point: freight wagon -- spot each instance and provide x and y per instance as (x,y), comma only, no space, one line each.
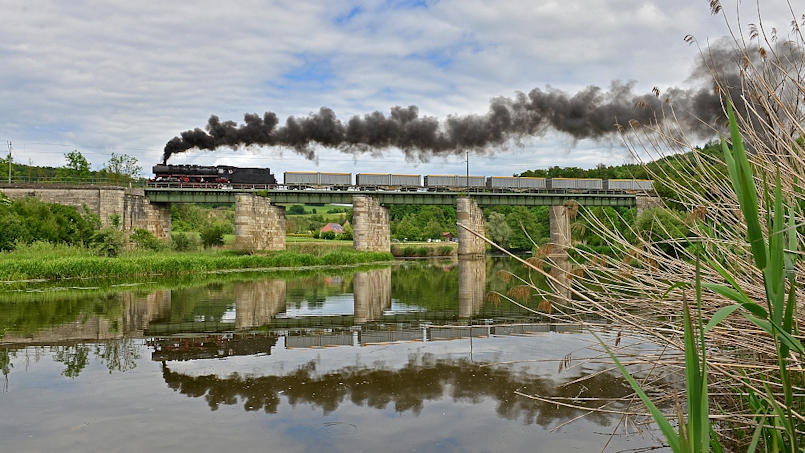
(387,181)
(575,184)
(310,179)
(454,182)
(516,183)
(629,185)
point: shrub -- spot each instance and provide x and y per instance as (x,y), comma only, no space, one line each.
(296,209)
(422,251)
(316,235)
(183,242)
(143,239)
(327,235)
(445,250)
(108,241)
(212,235)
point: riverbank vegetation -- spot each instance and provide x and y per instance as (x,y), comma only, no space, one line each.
(715,285)
(47,261)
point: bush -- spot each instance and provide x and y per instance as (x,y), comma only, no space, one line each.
(143,239)
(29,219)
(212,235)
(316,235)
(108,241)
(296,209)
(327,235)
(422,251)
(183,242)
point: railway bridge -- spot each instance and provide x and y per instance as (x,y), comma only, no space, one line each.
(260,212)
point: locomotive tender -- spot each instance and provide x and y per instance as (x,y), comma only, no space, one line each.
(226,175)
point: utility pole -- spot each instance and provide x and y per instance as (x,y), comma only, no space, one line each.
(9,161)
(468,172)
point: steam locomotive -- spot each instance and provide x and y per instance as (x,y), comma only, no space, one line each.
(229,176)
(219,174)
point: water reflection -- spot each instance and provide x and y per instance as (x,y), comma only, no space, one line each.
(257,302)
(471,286)
(372,291)
(415,344)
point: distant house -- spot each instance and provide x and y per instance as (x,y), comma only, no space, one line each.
(334,227)
(448,236)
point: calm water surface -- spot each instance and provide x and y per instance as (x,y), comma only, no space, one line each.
(410,357)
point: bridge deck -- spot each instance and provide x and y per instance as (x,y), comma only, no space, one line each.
(184,195)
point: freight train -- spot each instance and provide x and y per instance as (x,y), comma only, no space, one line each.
(229,176)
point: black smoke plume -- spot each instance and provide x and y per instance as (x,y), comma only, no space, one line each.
(590,113)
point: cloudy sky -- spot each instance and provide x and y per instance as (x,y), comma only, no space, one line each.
(126,77)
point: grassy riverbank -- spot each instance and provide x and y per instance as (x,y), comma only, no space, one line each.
(56,262)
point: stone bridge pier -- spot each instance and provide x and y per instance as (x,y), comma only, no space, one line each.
(259,225)
(140,213)
(469,214)
(560,242)
(370,224)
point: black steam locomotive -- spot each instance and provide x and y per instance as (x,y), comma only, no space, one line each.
(219,174)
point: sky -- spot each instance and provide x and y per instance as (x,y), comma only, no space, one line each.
(126,77)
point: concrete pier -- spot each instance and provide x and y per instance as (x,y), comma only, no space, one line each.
(259,225)
(372,290)
(370,224)
(471,286)
(645,202)
(470,215)
(560,242)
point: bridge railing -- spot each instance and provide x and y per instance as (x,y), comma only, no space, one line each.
(205,185)
(52,180)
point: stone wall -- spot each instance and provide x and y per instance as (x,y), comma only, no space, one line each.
(372,291)
(130,205)
(101,201)
(139,212)
(644,203)
(370,225)
(470,215)
(258,224)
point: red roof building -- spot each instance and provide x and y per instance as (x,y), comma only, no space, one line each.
(334,227)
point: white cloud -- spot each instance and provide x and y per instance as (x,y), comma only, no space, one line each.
(126,77)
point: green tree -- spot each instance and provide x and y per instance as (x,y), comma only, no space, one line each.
(76,169)
(122,167)
(498,230)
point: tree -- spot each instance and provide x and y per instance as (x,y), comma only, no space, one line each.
(122,167)
(498,230)
(77,167)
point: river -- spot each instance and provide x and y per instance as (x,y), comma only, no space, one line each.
(415,356)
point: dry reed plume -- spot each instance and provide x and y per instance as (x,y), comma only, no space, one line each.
(632,289)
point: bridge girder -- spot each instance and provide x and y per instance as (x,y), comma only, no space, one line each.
(170,195)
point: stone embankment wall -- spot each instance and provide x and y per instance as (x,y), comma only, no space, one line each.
(130,205)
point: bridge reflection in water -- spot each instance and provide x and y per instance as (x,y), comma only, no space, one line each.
(445,293)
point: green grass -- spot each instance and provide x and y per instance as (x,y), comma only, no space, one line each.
(57,262)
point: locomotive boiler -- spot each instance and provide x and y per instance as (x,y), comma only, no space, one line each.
(218,174)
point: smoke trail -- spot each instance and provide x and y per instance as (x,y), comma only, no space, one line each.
(590,113)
